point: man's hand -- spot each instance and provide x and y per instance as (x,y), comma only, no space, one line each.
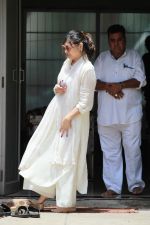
(115,89)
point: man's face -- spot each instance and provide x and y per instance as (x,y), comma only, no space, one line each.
(117,44)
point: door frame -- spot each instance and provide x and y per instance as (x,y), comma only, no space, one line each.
(2,91)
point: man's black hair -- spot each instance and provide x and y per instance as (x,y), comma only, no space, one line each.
(147,43)
(116,28)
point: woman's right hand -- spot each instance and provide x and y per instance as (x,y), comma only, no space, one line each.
(58,89)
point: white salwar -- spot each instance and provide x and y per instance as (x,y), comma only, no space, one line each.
(50,159)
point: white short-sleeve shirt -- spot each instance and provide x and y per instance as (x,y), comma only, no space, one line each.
(129,108)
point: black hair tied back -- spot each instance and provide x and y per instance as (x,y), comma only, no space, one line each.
(88,44)
(76,37)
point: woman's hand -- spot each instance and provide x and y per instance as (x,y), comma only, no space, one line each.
(65,126)
(66,122)
(60,89)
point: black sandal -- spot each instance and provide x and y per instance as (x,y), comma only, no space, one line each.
(33,212)
(25,212)
(21,211)
(4,210)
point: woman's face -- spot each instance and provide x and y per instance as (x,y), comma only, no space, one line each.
(73,51)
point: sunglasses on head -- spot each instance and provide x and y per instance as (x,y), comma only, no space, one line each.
(66,47)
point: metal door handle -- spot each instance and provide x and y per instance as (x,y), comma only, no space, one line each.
(14,75)
(21,75)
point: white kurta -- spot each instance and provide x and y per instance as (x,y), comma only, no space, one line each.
(129,108)
(47,151)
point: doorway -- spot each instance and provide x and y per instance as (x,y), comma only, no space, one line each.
(42,60)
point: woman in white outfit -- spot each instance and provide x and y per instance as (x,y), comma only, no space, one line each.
(54,163)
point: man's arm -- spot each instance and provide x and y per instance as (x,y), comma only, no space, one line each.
(132,83)
(101,85)
(115,89)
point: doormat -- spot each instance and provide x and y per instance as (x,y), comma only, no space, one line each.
(97,210)
(80,209)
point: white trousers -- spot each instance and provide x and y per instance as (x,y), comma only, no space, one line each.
(64,189)
(111,139)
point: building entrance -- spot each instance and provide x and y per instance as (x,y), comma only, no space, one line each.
(42,59)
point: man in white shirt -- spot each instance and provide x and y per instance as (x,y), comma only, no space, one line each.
(120,76)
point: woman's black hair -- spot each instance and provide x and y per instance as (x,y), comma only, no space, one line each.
(76,37)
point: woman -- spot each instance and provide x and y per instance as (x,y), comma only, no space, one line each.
(54,163)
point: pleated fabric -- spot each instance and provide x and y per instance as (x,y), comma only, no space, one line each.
(48,156)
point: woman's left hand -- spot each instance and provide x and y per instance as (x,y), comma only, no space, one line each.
(65,126)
